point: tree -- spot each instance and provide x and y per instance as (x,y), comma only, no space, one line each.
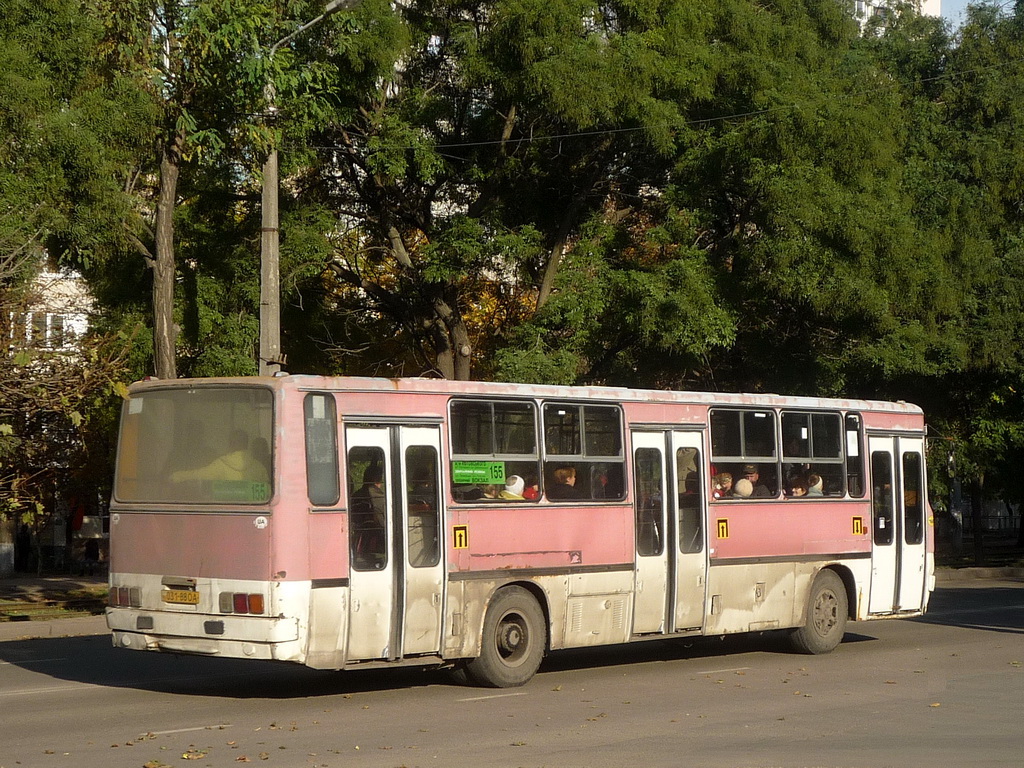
(197,64)
(469,145)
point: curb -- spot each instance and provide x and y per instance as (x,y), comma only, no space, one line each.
(962,574)
(78,626)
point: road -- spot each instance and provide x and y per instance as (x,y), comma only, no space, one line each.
(944,690)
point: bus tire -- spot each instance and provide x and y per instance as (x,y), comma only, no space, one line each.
(514,640)
(827,610)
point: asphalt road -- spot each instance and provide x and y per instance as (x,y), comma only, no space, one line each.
(944,690)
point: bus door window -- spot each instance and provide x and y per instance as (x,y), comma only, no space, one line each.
(422,505)
(913,506)
(649,501)
(367,509)
(691,527)
(882,499)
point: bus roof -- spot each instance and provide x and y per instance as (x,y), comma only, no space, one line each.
(547,391)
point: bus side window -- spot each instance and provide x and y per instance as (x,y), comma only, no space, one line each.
(743,444)
(584,459)
(812,447)
(323,485)
(854,458)
(492,441)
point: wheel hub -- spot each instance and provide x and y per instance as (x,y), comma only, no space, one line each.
(511,637)
(825,613)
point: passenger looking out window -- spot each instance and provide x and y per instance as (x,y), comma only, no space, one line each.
(563,484)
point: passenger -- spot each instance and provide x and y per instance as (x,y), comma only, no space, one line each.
(722,486)
(742,489)
(492,491)
(532,489)
(237,464)
(514,487)
(564,484)
(369,502)
(751,473)
(368,518)
(815,485)
(798,488)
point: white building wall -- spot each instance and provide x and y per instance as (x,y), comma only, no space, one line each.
(58,316)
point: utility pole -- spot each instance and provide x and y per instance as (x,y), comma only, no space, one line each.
(270,358)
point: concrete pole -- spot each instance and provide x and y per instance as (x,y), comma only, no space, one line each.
(270,357)
(270,271)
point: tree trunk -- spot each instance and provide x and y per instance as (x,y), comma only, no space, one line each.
(463,349)
(453,351)
(164,330)
(977,521)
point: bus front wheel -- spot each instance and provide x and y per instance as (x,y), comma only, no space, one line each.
(827,609)
(514,640)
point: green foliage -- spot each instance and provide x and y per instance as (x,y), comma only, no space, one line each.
(725,195)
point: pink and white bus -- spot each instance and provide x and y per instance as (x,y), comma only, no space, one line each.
(349,523)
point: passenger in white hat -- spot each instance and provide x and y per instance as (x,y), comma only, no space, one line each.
(514,486)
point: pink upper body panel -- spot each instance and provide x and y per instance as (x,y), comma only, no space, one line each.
(290,539)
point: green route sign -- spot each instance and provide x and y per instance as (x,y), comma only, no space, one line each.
(487,472)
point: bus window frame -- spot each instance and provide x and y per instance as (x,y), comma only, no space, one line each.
(839,476)
(334,473)
(585,460)
(201,503)
(534,459)
(717,460)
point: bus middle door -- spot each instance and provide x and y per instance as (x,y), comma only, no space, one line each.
(396,572)
(690,505)
(651,579)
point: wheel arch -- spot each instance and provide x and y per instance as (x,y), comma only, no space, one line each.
(538,594)
(849,584)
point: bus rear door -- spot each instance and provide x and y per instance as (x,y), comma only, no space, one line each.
(898,519)
(396,576)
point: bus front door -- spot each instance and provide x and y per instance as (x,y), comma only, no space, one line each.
(396,573)
(670,572)
(898,520)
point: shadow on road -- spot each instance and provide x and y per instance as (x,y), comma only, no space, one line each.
(92,660)
(990,608)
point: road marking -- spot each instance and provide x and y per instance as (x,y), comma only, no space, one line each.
(54,689)
(495,696)
(723,671)
(27,661)
(217,727)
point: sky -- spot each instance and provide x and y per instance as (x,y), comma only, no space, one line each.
(952,10)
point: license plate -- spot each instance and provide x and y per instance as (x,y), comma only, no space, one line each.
(182,596)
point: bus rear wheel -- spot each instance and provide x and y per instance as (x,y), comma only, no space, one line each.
(514,640)
(827,609)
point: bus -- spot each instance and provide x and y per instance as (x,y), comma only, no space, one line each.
(351,523)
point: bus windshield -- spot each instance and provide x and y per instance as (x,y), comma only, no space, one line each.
(205,445)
